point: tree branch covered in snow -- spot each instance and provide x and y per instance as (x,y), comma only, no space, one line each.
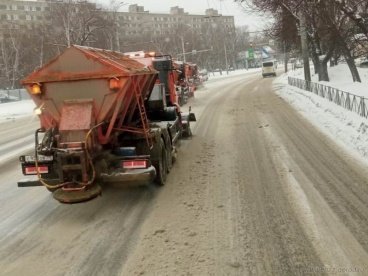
(332,26)
(354,9)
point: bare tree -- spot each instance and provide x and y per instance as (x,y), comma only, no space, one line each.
(331,27)
(76,22)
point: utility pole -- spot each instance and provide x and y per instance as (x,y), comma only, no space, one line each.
(285,58)
(304,42)
(117,27)
(183,48)
(227,66)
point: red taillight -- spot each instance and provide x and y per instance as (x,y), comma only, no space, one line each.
(134,164)
(33,170)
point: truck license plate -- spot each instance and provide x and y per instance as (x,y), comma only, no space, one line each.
(41,158)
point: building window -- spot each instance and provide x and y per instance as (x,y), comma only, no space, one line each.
(21,8)
(38,8)
(2,7)
(14,7)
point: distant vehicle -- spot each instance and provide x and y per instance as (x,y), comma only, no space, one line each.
(298,64)
(364,64)
(203,75)
(269,68)
(4,98)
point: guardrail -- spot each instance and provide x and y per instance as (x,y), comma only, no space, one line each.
(355,103)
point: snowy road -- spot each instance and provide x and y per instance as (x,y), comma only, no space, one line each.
(16,137)
(258,190)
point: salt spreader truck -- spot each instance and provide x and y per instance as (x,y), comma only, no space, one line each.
(103,119)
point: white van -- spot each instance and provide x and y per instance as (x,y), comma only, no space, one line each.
(269,68)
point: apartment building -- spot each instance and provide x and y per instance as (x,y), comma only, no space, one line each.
(137,20)
(18,14)
(21,14)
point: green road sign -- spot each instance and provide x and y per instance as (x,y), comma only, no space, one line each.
(250,53)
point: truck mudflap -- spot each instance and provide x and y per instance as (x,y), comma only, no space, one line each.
(137,176)
(187,117)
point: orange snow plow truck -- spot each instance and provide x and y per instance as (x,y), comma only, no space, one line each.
(103,119)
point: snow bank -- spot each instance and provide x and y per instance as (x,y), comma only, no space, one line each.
(217,75)
(346,128)
(13,110)
(340,78)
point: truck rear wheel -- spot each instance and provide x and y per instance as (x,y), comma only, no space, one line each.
(161,166)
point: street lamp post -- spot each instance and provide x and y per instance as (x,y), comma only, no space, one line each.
(226,62)
(183,48)
(115,10)
(182,40)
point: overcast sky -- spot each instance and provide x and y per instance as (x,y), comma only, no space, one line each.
(225,7)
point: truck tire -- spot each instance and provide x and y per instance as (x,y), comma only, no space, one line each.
(170,114)
(161,166)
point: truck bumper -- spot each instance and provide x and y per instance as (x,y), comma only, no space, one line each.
(29,183)
(136,176)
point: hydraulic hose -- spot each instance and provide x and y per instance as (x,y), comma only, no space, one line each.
(60,185)
(43,182)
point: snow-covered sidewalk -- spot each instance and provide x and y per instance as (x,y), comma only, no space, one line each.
(346,128)
(340,78)
(14,110)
